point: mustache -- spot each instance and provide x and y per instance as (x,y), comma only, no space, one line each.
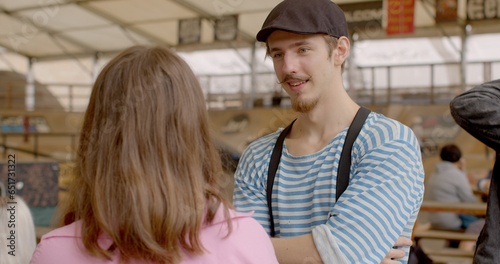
(289,77)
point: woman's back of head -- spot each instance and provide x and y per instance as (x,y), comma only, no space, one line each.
(147,170)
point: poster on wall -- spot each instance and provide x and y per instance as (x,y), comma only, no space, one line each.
(433,131)
(446,11)
(400,17)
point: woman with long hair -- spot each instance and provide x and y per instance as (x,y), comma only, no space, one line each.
(147,178)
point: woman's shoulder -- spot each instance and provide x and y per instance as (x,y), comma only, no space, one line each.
(233,215)
(64,245)
(236,243)
(71,230)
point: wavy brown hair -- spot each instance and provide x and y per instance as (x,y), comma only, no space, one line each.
(147,173)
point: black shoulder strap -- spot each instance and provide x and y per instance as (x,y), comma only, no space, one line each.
(273,167)
(344,163)
(345,158)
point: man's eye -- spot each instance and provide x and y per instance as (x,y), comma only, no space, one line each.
(277,55)
(303,50)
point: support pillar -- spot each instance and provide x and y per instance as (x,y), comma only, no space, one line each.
(249,102)
(463,56)
(29,99)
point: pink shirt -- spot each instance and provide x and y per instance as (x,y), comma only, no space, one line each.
(247,243)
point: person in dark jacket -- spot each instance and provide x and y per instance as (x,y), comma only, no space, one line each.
(478,112)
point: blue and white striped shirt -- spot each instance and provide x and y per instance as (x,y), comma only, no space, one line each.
(381,203)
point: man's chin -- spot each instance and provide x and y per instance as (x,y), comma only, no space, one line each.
(303,107)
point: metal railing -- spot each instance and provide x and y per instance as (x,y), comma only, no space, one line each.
(36,149)
(54,97)
(376,85)
(371,85)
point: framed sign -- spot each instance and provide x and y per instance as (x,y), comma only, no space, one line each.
(189,31)
(446,11)
(363,15)
(483,9)
(400,17)
(226,28)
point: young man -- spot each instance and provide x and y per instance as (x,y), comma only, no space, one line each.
(308,43)
(478,112)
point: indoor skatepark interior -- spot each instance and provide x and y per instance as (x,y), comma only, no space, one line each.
(51,51)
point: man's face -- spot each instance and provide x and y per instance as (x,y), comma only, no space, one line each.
(302,65)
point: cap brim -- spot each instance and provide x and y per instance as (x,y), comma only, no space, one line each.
(263,34)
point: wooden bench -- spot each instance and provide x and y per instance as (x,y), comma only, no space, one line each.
(446,255)
(451,252)
(450,259)
(459,208)
(440,234)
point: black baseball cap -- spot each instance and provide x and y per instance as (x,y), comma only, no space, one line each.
(305,17)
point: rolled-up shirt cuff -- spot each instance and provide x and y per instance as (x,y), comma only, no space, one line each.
(327,245)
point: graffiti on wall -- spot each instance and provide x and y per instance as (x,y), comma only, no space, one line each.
(433,131)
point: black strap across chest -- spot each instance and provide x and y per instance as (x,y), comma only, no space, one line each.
(344,163)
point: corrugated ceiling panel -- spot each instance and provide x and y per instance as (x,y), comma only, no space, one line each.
(248,24)
(12,5)
(40,44)
(10,26)
(64,17)
(50,71)
(130,11)
(166,31)
(226,7)
(106,39)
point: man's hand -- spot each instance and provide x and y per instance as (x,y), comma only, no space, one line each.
(397,253)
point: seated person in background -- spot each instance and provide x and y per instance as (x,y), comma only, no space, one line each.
(17,231)
(449,184)
(147,186)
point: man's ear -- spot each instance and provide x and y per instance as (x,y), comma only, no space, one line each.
(343,49)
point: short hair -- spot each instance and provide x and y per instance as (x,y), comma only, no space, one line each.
(23,226)
(451,153)
(147,171)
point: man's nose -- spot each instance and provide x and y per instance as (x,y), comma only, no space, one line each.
(290,64)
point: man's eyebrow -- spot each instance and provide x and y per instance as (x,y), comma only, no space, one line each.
(300,43)
(295,44)
(274,49)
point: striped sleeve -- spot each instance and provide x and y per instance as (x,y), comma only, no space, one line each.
(382,199)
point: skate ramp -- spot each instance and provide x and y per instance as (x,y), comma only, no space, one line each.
(235,129)
(434,127)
